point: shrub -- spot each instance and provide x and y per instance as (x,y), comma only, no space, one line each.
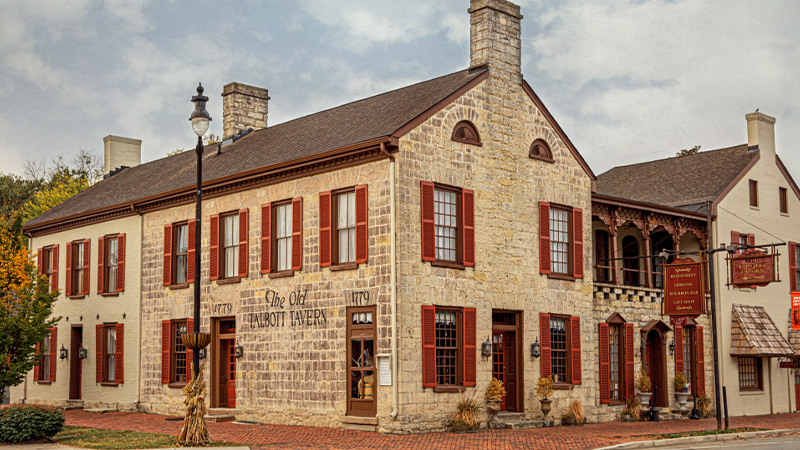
(704,404)
(643,383)
(544,387)
(466,415)
(679,383)
(20,423)
(632,407)
(576,410)
(495,391)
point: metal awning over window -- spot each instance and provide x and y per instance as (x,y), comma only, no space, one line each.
(753,333)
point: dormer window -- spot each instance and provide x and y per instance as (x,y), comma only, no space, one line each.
(466,132)
(540,150)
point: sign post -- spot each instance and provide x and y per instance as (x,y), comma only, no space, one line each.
(684,288)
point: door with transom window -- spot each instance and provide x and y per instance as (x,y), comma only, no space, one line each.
(361,376)
(505,357)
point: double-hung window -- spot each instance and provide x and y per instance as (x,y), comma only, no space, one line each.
(78,268)
(447,354)
(179,252)
(44,362)
(616,360)
(176,358)
(282,237)
(446,209)
(448,225)
(560,241)
(230,245)
(111,264)
(181,233)
(48,265)
(343,227)
(109,350)
(561,348)
(794,270)
(449,351)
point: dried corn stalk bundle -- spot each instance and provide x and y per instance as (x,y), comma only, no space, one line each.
(194,431)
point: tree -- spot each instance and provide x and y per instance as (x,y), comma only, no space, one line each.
(689,151)
(26,304)
(207,140)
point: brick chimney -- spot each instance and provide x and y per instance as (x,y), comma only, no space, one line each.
(494,37)
(120,152)
(761,132)
(243,107)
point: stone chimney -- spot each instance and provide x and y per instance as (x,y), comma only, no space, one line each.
(494,37)
(119,153)
(761,132)
(243,107)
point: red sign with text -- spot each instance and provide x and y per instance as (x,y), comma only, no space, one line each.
(752,268)
(684,293)
(795,310)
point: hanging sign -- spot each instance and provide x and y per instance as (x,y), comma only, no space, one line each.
(681,321)
(684,293)
(795,310)
(752,268)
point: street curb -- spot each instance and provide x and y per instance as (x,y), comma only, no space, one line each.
(697,439)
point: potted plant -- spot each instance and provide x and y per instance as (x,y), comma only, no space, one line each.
(644,386)
(466,416)
(631,412)
(494,395)
(544,388)
(704,405)
(574,415)
(681,391)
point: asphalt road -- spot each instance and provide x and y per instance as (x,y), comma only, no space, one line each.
(791,442)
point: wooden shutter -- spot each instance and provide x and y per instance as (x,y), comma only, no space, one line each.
(191,252)
(793,266)
(468,221)
(629,360)
(544,240)
(751,239)
(297,233)
(87,257)
(428,218)
(53,352)
(575,350)
(735,241)
(166,341)
(54,274)
(701,362)
(189,351)
(544,336)
(428,346)
(244,262)
(577,242)
(469,338)
(167,254)
(266,237)
(101,264)
(40,260)
(68,283)
(37,369)
(753,193)
(121,262)
(214,247)
(678,348)
(362,224)
(98,348)
(120,353)
(325,230)
(605,381)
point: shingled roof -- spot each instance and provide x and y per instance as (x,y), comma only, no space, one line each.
(347,125)
(753,333)
(683,182)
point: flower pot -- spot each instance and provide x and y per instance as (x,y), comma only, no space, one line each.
(568,421)
(545,404)
(644,399)
(682,398)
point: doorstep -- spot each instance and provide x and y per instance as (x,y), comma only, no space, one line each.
(360,423)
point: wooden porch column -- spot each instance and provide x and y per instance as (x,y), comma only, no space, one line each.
(612,231)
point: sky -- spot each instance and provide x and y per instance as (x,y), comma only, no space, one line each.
(627,80)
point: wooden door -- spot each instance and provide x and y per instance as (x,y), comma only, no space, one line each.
(223,363)
(361,380)
(76,340)
(230,385)
(656,369)
(499,362)
(506,362)
(511,370)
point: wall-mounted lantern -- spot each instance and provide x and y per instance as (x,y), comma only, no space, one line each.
(238,350)
(82,352)
(63,353)
(202,353)
(672,347)
(536,349)
(486,348)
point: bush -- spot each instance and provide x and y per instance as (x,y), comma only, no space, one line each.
(495,391)
(20,423)
(466,415)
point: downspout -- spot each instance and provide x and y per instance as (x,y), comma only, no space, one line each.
(393,284)
(138,403)
(769,374)
(25,384)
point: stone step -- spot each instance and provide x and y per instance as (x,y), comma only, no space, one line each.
(219,418)
(522,424)
(73,404)
(360,423)
(508,415)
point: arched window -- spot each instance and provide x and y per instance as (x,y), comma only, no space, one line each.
(540,150)
(466,132)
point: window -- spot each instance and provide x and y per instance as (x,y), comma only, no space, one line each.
(753,193)
(343,227)
(615,361)
(48,265)
(448,225)
(794,271)
(78,268)
(44,361)
(282,236)
(784,203)
(109,351)
(179,242)
(561,348)
(228,251)
(742,240)
(688,350)
(230,245)
(689,357)
(111,264)
(176,359)
(750,374)
(560,241)
(449,347)
(466,132)
(540,150)
(110,269)
(181,233)
(179,368)
(558,350)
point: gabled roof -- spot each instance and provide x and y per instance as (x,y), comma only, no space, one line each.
(753,333)
(300,139)
(683,182)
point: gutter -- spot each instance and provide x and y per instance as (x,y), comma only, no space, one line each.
(393,287)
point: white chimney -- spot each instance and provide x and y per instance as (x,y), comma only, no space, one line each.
(120,152)
(761,132)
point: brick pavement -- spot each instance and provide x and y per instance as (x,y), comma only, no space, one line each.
(297,437)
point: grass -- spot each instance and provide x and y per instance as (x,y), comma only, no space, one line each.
(701,433)
(118,439)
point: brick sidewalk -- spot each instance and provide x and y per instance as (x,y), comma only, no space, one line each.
(297,437)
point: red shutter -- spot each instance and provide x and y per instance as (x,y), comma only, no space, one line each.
(53,351)
(577,242)
(428,346)
(39,260)
(468,220)
(167,255)
(101,265)
(325,231)
(544,239)
(629,360)
(68,283)
(792,266)
(678,348)
(575,350)
(362,224)
(544,336)
(87,257)
(701,362)
(605,382)
(735,240)
(166,340)
(121,262)
(428,217)
(751,239)
(191,252)
(98,353)
(214,248)
(470,348)
(54,275)
(244,262)
(189,351)
(297,233)
(37,367)
(266,237)
(120,353)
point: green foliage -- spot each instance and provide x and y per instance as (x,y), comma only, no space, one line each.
(689,151)
(19,423)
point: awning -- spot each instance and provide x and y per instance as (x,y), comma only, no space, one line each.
(753,333)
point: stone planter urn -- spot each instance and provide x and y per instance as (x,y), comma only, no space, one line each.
(545,403)
(493,406)
(644,399)
(682,398)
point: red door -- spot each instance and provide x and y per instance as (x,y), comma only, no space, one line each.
(511,371)
(230,361)
(499,362)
